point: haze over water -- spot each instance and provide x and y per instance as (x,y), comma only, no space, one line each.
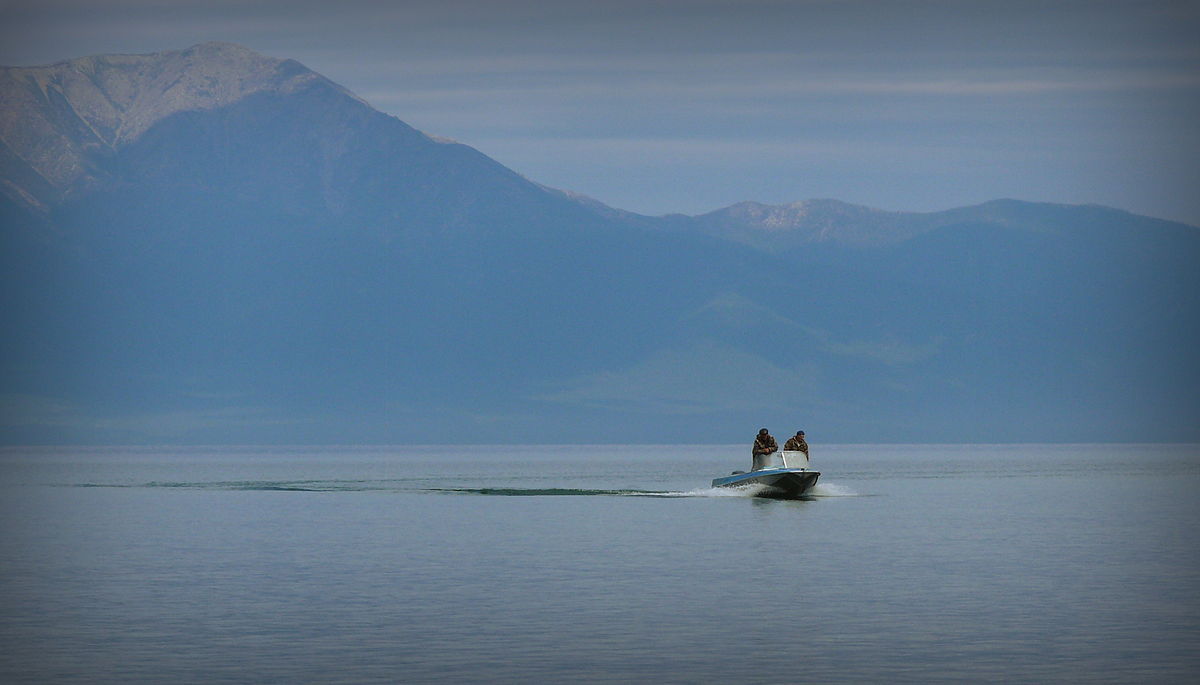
(598,564)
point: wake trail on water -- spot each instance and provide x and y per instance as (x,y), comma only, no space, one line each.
(832,490)
(262,486)
(394,486)
(747,491)
(588,492)
(400,486)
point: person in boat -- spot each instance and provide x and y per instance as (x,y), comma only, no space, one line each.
(796,443)
(764,447)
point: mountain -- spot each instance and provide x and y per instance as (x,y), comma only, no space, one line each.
(780,228)
(218,118)
(211,245)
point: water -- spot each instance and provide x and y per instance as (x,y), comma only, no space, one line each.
(1015,564)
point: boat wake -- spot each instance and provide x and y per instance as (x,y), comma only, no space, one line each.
(265,485)
(832,490)
(586,492)
(820,491)
(421,485)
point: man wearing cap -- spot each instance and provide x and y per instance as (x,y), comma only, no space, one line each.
(764,447)
(796,443)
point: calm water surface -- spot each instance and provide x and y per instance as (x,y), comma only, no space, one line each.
(1016,564)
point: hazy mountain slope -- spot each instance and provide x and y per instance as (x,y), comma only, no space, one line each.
(61,123)
(235,249)
(220,118)
(778,228)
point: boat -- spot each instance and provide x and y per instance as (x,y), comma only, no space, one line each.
(792,480)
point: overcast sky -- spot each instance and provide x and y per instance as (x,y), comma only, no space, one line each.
(661,106)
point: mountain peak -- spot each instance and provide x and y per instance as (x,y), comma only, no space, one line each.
(120,96)
(221,119)
(58,118)
(807,213)
(806,222)
(221,47)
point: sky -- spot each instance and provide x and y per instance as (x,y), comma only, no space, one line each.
(661,106)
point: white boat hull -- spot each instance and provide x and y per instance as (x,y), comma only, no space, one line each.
(790,481)
(777,483)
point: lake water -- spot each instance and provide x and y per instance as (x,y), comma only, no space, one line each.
(919,564)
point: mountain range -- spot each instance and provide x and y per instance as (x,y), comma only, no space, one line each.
(214,246)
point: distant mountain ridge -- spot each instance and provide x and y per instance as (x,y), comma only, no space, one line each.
(783,228)
(60,118)
(778,227)
(211,245)
(60,123)
(99,123)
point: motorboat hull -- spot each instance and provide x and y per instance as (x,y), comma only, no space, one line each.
(775,483)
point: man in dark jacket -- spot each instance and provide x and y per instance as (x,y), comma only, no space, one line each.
(796,443)
(764,447)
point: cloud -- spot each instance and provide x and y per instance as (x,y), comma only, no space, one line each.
(716,77)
